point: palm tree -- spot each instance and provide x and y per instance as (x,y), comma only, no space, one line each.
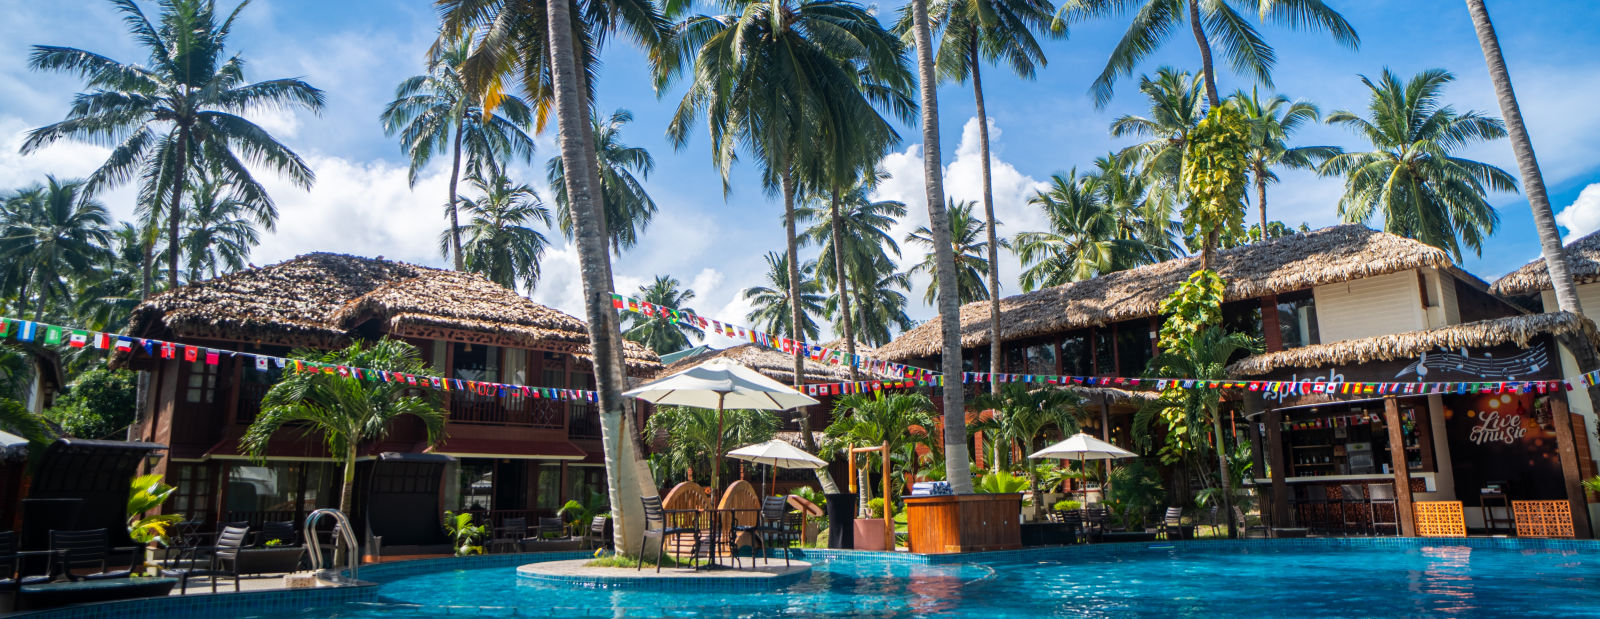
(107,295)
(500,244)
(798,83)
(661,334)
(1086,236)
(1411,177)
(772,311)
(693,443)
(861,256)
(866,420)
(628,207)
(972,32)
(346,410)
(50,234)
(967,248)
(553,56)
(1025,413)
(1555,260)
(179,114)
(217,231)
(880,306)
(1272,123)
(1175,108)
(1155,20)
(437,113)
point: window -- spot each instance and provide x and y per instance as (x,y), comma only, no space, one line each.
(1133,348)
(478,363)
(192,499)
(1297,319)
(1039,358)
(1075,359)
(975,360)
(1105,352)
(549,486)
(200,387)
(477,485)
(586,483)
(1242,317)
(1015,359)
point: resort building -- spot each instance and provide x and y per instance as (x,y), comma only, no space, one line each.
(513,456)
(1338,305)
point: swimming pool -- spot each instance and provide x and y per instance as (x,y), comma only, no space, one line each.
(1339,577)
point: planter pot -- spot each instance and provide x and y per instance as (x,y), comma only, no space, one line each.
(869,533)
(270,560)
(841,510)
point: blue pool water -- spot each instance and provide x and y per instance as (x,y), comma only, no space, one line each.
(1187,580)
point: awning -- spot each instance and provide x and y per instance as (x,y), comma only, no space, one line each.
(501,448)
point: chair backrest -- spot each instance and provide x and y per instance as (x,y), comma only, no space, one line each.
(550,525)
(82,547)
(278,531)
(773,508)
(230,541)
(1174,515)
(8,544)
(1238,514)
(597,528)
(1381,492)
(1351,492)
(654,517)
(519,526)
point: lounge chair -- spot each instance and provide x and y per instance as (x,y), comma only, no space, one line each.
(657,525)
(510,534)
(224,561)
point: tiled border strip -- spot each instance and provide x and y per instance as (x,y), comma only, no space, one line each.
(647,583)
(278,601)
(1037,552)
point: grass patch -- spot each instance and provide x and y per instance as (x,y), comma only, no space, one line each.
(633,562)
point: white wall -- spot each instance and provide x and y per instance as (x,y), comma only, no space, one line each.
(1442,309)
(1370,307)
(1578,399)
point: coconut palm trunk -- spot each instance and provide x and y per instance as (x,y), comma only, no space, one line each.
(843,284)
(1544,220)
(592,243)
(455,220)
(1223,469)
(797,315)
(1261,199)
(174,231)
(956,459)
(1205,53)
(995,361)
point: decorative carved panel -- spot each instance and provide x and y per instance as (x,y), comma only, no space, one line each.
(1543,518)
(1439,519)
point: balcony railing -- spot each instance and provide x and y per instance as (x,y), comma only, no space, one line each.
(585,421)
(250,394)
(467,407)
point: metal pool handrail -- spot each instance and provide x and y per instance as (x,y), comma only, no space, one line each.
(342,533)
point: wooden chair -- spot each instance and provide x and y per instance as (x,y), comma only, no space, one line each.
(1171,524)
(1074,520)
(1094,522)
(596,537)
(656,525)
(510,534)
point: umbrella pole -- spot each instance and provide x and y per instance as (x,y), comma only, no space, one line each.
(716,458)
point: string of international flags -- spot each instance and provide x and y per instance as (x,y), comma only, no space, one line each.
(57,335)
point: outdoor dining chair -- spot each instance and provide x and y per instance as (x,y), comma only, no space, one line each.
(772,525)
(510,534)
(89,549)
(1245,528)
(1172,524)
(657,525)
(552,528)
(596,537)
(224,561)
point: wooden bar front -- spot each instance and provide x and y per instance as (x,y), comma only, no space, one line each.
(964,523)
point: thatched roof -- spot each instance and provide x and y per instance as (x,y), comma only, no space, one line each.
(318,299)
(1519,330)
(771,363)
(1285,264)
(1583,257)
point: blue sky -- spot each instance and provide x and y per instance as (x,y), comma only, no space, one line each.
(357,50)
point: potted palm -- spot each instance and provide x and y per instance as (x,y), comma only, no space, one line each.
(876,419)
(147,493)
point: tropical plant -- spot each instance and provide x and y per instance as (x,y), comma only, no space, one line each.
(862,419)
(880,306)
(1214,168)
(438,113)
(176,115)
(1272,123)
(1133,489)
(1210,20)
(1555,259)
(1412,176)
(1002,482)
(968,249)
(465,537)
(1066,505)
(580,514)
(147,493)
(107,295)
(219,230)
(344,408)
(771,307)
(99,404)
(501,244)
(859,261)
(696,437)
(799,83)
(1176,106)
(1088,234)
(1025,413)
(660,334)
(628,207)
(50,234)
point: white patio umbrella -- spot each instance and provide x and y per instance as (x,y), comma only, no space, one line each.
(778,455)
(1084,447)
(721,384)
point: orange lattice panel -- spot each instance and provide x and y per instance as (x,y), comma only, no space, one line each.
(1439,519)
(1543,518)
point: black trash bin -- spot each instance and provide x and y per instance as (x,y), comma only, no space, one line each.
(841,520)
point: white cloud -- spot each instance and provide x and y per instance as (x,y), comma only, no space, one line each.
(64,159)
(963,180)
(1583,215)
(358,207)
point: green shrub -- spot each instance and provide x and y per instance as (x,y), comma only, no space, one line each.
(1067,505)
(875,507)
(99,404)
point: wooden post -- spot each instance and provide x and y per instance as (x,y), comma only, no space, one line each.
(888,504)
(1402,474)
(1567,452)
(1280,488)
